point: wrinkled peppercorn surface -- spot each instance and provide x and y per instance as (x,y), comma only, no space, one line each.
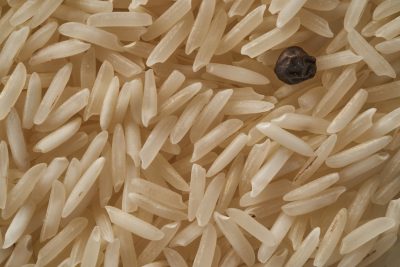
(294,65)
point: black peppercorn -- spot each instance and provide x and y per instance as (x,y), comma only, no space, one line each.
(294,65)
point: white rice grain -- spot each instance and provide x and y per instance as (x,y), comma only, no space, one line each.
(374,60)
(237,74)
(12,90)
(83,186)
(53,93)
(206,250)
(236,238)
(209,201)
(307,247)
(133,224)
(365,233)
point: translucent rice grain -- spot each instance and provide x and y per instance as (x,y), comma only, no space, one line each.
(127,249)
(385,9)
(253,227)
(156,139)
(235,237)
(169,173)
(348,112)
(336,92)
(387,192)
(118,157)
(188,116)
(83,186)
(211,41)
(229,153)
(12,90)
(112,254)
(91,6)
(354,13)
(109,104)
(268,171)
(213,138)
(255,159)
(154,248)
(149,104)
(90,34)
(315,23)
(18,194)
(53,215)
(53,93)
(103,79)
(32,101)
(187,235)
(18,225)
(232,182)
(67,13)
(133,224)
(58,137)
(242,107)
(121,63)
(270,39)
(317,202)
(11,48)
(237,74)
(243,28)
(272,191)
(200,26)
(57,244)
(357,152)
(156,208)
(88,69)
(285,138)
(119,19)
(22,252)
(312,188)
(322,5)
(174,258)
(62,49)
(44,11)
(206,250)
(389,47)
(170,85)
(209,201)
(390,30)
(240,8)
(179,99)
(92,249)
(209,114)
(276,6)
(381,246)
(168,19)
(374,60)
(38,39)
(4,165)
(24,12)
(349,173)
(331,238)
(16,140)
(360,203)
(171,41)
(121,107)
(65,111)
(337,59)
(355,129)
(197,187)
(103,222)
(94,150)
(158,193)
(365,233)
(384,125)
(301,122)
(307,247)
(288,11)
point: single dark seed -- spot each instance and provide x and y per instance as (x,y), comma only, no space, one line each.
(294,65)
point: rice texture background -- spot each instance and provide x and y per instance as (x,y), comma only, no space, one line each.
(155,133)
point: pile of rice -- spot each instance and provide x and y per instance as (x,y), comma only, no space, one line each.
(155,133)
